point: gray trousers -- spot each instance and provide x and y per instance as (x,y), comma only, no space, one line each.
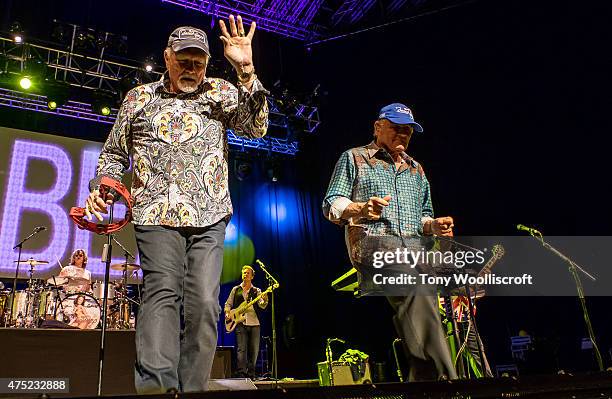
(181,271)
(247,349)
(417,321)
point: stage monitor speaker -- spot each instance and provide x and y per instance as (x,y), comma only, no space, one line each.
(222,363)
(341,373)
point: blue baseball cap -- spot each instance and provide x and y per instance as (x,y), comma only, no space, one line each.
(399,114)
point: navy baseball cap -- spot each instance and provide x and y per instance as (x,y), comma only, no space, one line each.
(399,114)
(187,36)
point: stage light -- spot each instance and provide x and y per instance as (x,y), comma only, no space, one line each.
(57,93)
(102,102)
(127,83)
(149,64)
(242,169)
(273,170)
(25,83)
(16,33)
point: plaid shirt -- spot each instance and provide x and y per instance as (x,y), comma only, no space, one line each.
(178,143)
(368,171)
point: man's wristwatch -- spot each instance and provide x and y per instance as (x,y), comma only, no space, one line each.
(246,77)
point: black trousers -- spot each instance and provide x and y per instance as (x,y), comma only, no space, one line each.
(247,341)
(417,321)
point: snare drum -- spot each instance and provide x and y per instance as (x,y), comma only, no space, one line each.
(80,310)
(98,291)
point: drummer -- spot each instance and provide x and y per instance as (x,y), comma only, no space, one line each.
(76,269)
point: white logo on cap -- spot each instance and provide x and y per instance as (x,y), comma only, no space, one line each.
(184,33)
(404,110)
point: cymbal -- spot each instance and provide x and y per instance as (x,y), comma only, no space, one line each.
(33,262)
(122,266)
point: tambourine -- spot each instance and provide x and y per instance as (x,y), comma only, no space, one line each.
(106,185)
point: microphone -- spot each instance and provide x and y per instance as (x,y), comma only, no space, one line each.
(40,228)
(530,230)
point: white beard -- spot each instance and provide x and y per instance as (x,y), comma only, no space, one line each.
(187,87)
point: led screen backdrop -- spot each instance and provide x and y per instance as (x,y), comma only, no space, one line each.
(41,178)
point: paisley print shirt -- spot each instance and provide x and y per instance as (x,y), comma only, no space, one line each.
(178,144)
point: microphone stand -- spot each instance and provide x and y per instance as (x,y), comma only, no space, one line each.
(272,281)
(574,268)
(14,288)
(329,357)
(106,257)
(397,363)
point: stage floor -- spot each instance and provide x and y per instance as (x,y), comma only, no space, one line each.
(73,354)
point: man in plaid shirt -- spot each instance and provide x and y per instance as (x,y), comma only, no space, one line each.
(378,190)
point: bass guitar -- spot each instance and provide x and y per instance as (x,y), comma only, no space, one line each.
(237,315)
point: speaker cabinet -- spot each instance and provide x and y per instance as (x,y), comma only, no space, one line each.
(339,373)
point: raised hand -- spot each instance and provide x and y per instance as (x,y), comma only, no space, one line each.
(372,210)
(237,45)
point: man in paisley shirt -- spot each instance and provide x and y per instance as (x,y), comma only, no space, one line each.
(175,132)
(378,191)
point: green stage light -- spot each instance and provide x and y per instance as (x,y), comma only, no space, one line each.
(57,92)
(102,101)
(25,83)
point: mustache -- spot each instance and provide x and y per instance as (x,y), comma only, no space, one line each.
(190,77)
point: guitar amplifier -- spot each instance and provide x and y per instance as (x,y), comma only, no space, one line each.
(341,373)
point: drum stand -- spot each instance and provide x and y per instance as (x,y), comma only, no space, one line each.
(123,305)
(30,297)
(14,288)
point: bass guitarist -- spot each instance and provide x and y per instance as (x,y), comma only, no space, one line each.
(247,331)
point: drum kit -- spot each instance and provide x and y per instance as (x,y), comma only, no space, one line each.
(69,300)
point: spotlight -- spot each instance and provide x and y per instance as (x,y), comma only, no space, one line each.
(25,83)
(36,67)
(149,64)
(101,40)
(34,71)
(61,33)
(127,83)
(242,169)
(57,93)
(16,32)
(86,40)
(117,44)
(102,102)
(274,171)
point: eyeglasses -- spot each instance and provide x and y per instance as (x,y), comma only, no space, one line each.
(402,129)
(79,255)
